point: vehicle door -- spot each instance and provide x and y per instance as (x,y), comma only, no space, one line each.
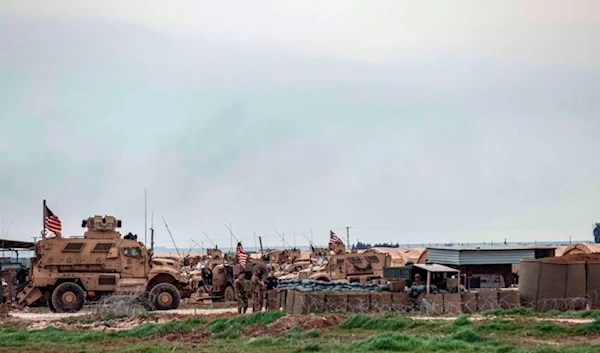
(133,261)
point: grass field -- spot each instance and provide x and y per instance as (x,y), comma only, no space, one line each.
(500,331)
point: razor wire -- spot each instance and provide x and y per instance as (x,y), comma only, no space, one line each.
(122,304)
(442,304)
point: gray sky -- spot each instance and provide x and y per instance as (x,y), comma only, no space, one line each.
(427,121)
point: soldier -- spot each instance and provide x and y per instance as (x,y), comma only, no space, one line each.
(242,293)
(272,283)
(258,292)
(417,281)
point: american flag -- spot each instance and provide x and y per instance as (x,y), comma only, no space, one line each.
(334,239)
(51,221)
(241,255)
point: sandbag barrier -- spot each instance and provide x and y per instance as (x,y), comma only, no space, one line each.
(306,285)
(305,302)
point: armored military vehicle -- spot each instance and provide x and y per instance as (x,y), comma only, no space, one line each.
(286,262)
(216,280)
(360,267)
(68,271)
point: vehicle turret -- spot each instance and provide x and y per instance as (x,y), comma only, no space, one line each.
(101,227)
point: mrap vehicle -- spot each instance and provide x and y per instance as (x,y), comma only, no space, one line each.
(68,271)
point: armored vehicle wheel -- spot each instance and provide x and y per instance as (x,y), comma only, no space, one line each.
(229,294)
(51,306)
(68,297)
(164,296)
(263,270)
(47,296)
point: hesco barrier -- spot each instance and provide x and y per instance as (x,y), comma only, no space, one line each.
(299,302)
(563,283)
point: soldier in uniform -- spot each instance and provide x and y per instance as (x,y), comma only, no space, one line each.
(242,293)
(258,292)
(272,283)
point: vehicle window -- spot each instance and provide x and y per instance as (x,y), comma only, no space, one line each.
(133,252)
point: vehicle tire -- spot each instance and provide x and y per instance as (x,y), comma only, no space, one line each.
(68,297)
(47,297)
(164,296)
(51,306)
(207,280)
(145,301)
(264,271)
(229,294)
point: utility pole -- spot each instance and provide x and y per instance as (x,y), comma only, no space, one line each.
(348,236)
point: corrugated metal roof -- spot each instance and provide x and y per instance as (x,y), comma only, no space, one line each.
(495,247)
(488,257)
(15,244)
(435,268)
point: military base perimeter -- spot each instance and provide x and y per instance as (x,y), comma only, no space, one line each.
(91,292)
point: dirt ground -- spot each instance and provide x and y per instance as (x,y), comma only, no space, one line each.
(307,322)
(36,320)
(47,316)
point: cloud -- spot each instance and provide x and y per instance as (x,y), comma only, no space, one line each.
(433,137)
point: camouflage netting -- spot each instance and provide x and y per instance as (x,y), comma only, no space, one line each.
(305,285)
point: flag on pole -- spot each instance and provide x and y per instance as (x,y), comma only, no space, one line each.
(334,239)
(51,221)
(242,256)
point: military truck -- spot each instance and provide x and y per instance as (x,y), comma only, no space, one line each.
(216,280)
(66,272)
(358,267)
(286,262)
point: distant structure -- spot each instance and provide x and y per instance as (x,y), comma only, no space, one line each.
(597,233)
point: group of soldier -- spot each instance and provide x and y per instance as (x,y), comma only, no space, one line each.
(257,288)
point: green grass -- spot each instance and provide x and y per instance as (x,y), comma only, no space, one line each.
(358,333)
(231,328)
(526,312)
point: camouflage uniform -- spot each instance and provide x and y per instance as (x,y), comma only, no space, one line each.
(258,293)
(242,295)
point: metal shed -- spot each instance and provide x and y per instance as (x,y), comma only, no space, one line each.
(487,255)
(487,266)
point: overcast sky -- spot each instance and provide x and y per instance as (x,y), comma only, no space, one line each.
(416,122)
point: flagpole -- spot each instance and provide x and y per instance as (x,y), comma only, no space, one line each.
(44,219)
